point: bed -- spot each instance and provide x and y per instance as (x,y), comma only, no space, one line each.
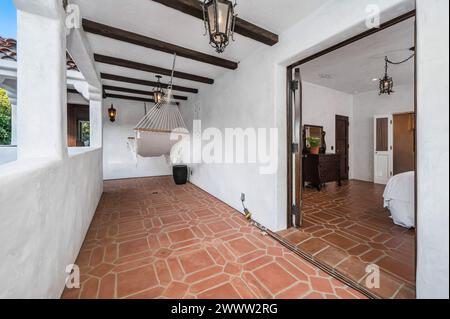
(399,199)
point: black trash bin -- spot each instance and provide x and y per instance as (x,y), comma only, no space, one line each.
(180,174)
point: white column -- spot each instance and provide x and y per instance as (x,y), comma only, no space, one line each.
(95,121)
(95,116)
(432,149)
(13,101)
(41,79)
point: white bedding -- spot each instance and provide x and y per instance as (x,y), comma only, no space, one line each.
(399,199)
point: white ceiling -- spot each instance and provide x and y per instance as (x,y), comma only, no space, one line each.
(353,68)
(276,15)
(160,22)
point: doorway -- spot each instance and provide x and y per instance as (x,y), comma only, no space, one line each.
(347,228)
(78,126)
(343,144)
(404,142)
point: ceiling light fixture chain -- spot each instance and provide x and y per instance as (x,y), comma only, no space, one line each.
(401,62)
(159,95)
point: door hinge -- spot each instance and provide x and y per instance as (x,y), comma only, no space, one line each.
(295,148)
(295,210)
(294,85)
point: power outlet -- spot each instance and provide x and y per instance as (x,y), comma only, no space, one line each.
(242,197)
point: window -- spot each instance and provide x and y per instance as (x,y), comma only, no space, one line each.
(84,133)
(5,118)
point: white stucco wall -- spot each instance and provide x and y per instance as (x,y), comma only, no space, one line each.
(366,106)
(118,160)
(433,149)
(76,99)
(46,209)
(255,96)
(7,154)
(320,105)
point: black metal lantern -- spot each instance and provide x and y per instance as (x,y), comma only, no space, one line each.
(112,113)
(386,83)
(158,92)
(219,20)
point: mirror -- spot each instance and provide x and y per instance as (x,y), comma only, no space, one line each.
(313,131)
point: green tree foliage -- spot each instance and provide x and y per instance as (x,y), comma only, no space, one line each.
(5,118)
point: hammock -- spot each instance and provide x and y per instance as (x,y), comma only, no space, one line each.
(156,131)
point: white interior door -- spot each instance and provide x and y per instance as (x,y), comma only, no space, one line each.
(383,148)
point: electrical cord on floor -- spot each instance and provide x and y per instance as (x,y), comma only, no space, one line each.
(247,213)
(248,216)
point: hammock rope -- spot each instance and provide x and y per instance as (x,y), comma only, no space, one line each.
(162,118)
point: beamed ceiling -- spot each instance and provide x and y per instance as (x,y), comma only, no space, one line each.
(133,41)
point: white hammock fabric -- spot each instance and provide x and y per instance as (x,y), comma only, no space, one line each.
(156,131)
(162,118)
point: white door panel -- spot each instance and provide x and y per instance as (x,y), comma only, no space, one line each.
(383,148)
(381,169)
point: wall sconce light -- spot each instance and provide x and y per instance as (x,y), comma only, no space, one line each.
(112,113)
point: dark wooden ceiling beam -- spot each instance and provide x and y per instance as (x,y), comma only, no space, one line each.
(141,92)
(133,98)
(141,40)
(150,68)
(73,91)
(245,28)
(125,79)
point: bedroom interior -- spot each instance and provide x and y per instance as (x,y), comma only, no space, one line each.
(358,160)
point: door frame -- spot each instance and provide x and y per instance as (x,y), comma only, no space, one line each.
(289,100)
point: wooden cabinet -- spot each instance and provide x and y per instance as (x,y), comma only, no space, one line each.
(321,169)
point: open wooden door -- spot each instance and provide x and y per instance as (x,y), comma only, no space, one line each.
(343,144)
(404,143)
(296,189)
(383,149)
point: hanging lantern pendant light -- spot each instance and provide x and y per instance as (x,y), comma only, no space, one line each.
(220,20)
(158,92)
(386,83)
(112,113)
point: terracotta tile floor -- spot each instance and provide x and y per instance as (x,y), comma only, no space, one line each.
(152,239)
(347,228)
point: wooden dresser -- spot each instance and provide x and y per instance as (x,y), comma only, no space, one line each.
(321,169)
